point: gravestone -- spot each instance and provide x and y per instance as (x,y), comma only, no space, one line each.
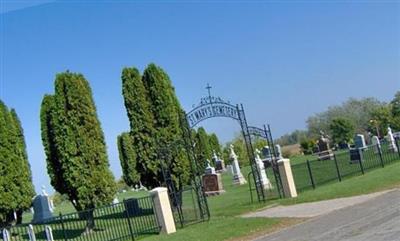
(324,151)
(343,145)
(359,141)
(41,207)
(392,142)
(278,151)
(229,168)
(209,169)
(266,184)
(355,155)
(132,208)
(376,143)
(266,152)
(212,184)
(219,163)
(237,174)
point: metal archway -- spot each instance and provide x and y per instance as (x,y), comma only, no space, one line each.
(212,107)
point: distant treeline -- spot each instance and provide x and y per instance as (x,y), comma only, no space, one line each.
(364,116)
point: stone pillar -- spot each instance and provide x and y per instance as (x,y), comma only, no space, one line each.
(285,171)
(163,209)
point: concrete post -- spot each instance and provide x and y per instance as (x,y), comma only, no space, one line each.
(163,210)
(285,171)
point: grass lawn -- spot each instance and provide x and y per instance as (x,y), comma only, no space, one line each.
(225,209)
(373,181)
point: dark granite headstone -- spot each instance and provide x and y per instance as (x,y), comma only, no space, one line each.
(324,152)
(355,156)
(212,184)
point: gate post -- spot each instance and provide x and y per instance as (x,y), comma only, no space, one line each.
(163,209)
(285,171)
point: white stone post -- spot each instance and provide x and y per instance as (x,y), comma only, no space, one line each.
(6,235)
(49,233)
(285,171)
(31,233)
(163,209)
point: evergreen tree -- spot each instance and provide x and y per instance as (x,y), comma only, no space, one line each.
(203,148)
(16,182)
(167,113)
(24,178)
(214,143)
(127,156)
(141,121)
(74,143)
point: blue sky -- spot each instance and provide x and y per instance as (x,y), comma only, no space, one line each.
(283,60)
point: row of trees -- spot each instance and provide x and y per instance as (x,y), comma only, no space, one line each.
(75,148)
(206,144)
(342,122)
(154,114)
(16,189)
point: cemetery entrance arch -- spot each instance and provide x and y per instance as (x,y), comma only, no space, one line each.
(212,107)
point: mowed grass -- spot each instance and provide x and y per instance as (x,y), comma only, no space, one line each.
(325,171)
(226,223)
(373,181)
(225,209)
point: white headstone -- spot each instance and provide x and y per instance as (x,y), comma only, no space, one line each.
(237,174)
(261,169)
(376,143)
(31,233)
(49,233)
(230,169)
(392,142)
(209,169)
(278,151)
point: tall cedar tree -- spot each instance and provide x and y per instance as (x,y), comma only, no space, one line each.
(214,143)
(203,147)
(16,180)
(127,156)
(142,127)
(166,111)
(77,161)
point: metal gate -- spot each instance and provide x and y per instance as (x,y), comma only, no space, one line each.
(211,107)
